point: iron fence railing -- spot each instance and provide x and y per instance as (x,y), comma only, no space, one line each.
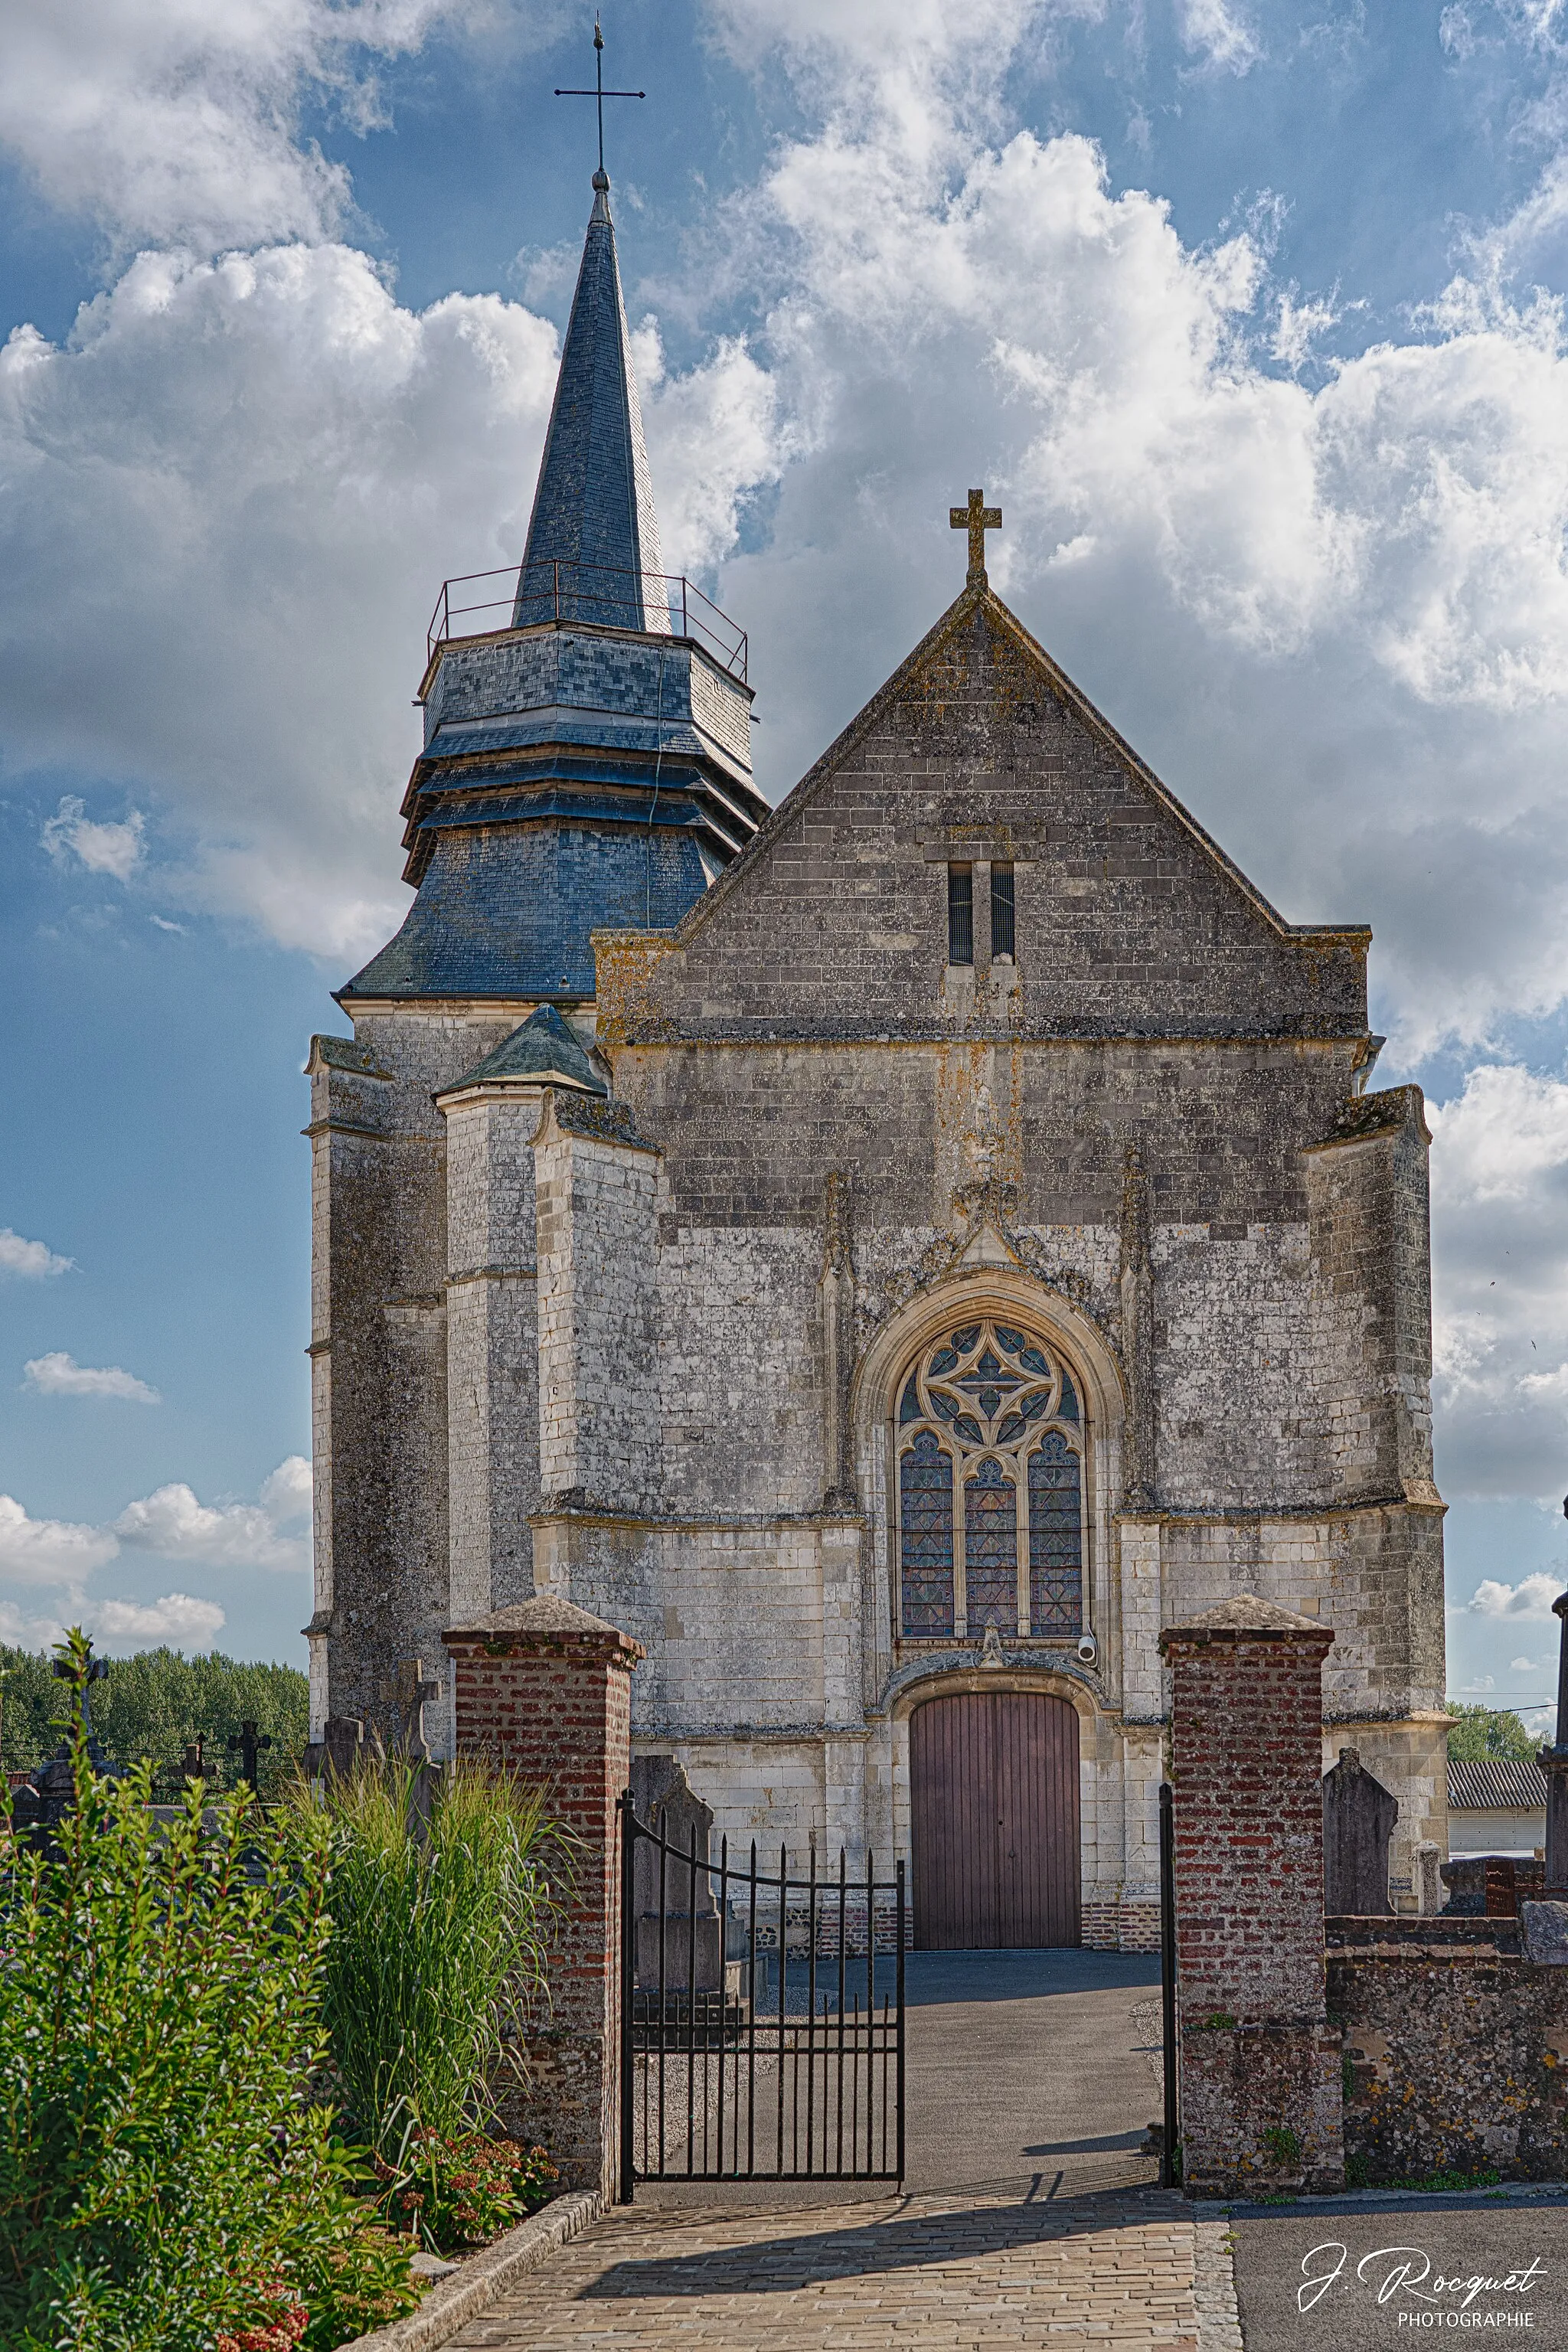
(761,2016)
(598,594)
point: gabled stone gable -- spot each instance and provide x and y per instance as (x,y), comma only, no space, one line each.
(1130,922)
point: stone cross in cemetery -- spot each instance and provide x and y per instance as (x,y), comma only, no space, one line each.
(249,1747)
(1359,1815)
(409,1692)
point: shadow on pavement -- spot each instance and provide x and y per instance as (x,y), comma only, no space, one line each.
(905,2240)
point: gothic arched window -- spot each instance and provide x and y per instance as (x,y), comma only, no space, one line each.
(990,1450)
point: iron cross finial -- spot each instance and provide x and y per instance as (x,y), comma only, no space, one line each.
(977,519)
(599,94)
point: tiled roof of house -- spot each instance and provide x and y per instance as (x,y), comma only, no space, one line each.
(1496,1782)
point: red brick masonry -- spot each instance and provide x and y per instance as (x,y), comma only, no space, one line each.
(1260,2078)
(546,1689)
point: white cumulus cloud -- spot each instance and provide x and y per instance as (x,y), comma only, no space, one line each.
(106,847)
(286,1491)
(50,1552)
(59,1374)
(48,1566)
(1532,1597)
(230,1535)
(1500,1230)
(177,1617)
(177,120)
(32,1260)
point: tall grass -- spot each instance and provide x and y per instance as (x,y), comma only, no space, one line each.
(439,1930)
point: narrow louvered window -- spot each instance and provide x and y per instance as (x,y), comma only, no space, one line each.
(960,914)
(1000,910)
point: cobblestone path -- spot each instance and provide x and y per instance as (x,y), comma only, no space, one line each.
(953,2271)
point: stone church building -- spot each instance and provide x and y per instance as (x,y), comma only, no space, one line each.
(889,1254)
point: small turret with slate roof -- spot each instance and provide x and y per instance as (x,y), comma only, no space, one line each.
(587,764)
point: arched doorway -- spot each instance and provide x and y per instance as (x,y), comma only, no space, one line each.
(994,1820)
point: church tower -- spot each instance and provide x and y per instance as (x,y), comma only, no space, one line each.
(586,764)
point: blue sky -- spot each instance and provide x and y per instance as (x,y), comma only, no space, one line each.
(1250,314)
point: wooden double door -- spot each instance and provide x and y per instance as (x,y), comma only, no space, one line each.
(993,1790)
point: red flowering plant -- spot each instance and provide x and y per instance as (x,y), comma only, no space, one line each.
(461,2189)
(281,2323)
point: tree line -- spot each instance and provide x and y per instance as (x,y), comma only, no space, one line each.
(153,1706)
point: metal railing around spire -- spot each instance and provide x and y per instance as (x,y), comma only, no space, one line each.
(598,594)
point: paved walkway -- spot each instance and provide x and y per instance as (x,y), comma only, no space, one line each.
(1038,2068)
(919,2273)
(1032,2220)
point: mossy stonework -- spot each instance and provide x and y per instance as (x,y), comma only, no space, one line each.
(1455,2047)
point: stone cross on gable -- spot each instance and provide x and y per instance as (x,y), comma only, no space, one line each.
(977,519)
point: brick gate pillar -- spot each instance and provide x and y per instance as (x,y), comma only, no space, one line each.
(546,1689)
(1260,2071)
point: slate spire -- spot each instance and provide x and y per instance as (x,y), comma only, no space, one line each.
(592,538)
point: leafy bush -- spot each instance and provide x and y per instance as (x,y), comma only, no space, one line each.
(439,1929)
(155,1705)
(460,2192)
(1486,1731)
(162,2170)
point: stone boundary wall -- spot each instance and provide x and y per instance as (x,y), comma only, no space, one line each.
(1456,2049)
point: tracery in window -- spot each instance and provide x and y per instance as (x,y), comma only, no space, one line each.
(990,1440)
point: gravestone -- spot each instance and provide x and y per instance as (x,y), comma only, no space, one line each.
(1359,1815)
(664,1800)
(339,1750)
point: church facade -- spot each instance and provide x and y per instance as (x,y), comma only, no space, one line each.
(891,1253)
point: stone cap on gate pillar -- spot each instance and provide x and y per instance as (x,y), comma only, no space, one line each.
(1246,1618)
(550,1625)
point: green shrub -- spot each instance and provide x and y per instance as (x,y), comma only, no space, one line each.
(163,2173)
(460,2193)
(439,1930)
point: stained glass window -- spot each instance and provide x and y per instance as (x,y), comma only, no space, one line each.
(1055,1538)
(984,1413)
(925,1498)
(991,1549)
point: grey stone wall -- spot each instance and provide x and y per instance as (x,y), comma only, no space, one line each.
(492,1349)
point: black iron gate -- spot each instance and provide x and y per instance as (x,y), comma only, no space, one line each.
(762,2016)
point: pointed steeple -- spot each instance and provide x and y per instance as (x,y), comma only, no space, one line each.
(593,552)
